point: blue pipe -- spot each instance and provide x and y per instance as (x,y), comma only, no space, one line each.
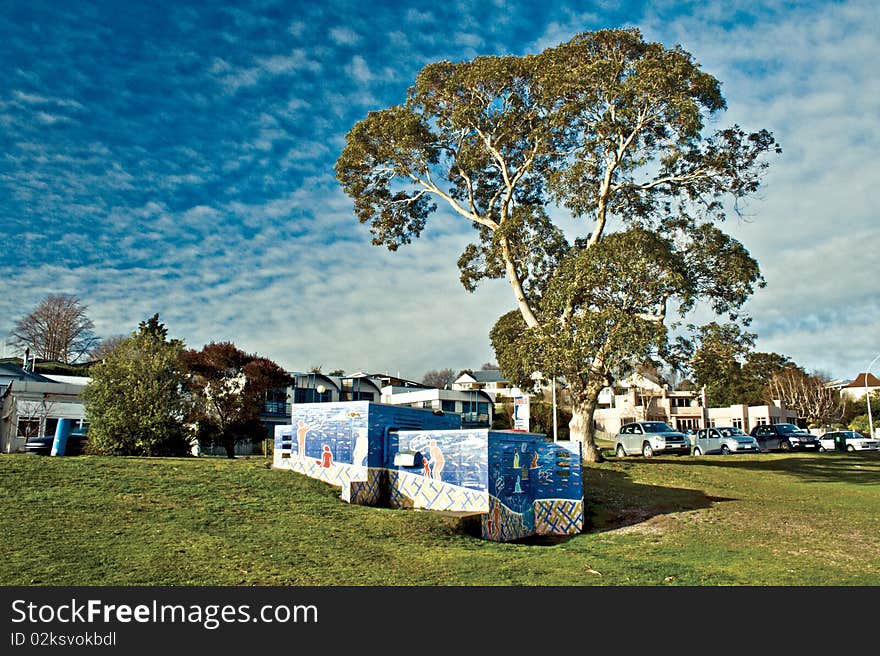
(62,432)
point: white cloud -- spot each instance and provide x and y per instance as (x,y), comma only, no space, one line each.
(359,70)
(344,36)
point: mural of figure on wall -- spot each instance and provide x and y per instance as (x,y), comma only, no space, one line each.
(438,461)
(326,457)
(426,467)
(361,448)
(515,459)
(495,521)
(301,430)
(534,461)
(517,487)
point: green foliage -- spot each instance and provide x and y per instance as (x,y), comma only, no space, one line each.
(135,403)
(717,361)
(723,362)
(607,126)
(854,408)
(860,423)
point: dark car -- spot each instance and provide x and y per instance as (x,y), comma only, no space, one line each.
(784,437)
(76,443)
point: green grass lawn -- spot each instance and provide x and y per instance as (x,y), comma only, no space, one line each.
(801,519)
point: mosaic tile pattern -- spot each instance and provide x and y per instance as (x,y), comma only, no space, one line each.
(559,516)
(416,491)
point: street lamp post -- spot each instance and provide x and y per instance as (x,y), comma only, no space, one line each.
(868,397)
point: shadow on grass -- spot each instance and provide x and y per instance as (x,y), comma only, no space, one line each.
(613,500)
(862,468)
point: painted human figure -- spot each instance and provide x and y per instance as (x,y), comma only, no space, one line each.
(517,487)
(438,461)
(301,430)
(326,457)
(361,448)
(534,461)
(426,467)
(515,459)
(496,519)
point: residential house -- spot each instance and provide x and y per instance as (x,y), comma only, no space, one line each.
(490,381)
(31,404)
(641,397)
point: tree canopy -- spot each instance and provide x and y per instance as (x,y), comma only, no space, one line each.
(608,127)
(57,329)
(135,403)
(228,388)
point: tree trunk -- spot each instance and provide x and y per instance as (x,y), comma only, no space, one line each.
(581,424)
(516,284)
(229,444)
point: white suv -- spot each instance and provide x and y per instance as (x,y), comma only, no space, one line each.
(649,438)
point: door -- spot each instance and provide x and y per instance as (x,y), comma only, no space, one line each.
(714,441)
(702,441)
(634,440)
(762,435)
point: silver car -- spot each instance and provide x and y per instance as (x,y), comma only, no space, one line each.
(650,437)
(724,440)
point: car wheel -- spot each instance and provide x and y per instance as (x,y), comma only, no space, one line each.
(647,451)
(620,452)
(850,447)
(786,445)
(725,450)
(697,452)
(821,449)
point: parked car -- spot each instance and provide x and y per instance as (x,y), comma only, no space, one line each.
(724,440)
(848,440)
(76,443)
(649,438)
(772,437)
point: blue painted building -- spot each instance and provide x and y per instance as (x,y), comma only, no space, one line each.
(520,483)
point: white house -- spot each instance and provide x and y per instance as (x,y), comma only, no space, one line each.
(31,405)
(490,381)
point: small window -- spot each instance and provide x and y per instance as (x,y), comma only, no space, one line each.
(51,426)
(28,427)
(637,430)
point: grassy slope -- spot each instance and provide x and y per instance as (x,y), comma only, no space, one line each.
(771,519)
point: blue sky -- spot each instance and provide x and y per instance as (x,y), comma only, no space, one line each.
(176,157)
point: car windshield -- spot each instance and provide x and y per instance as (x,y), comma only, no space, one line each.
(730,432)
(657,427)
(788,428)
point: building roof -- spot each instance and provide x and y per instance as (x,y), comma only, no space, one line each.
(15,372)
(486,376)
(859,381)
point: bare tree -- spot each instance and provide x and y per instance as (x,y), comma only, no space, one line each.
(107,344)
(490,366)
(806,394)
(32,416)
(439,378)
(58,329)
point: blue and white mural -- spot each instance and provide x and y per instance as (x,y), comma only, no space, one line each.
(521,483)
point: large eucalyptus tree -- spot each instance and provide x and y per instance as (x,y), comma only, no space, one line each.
(607,127)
